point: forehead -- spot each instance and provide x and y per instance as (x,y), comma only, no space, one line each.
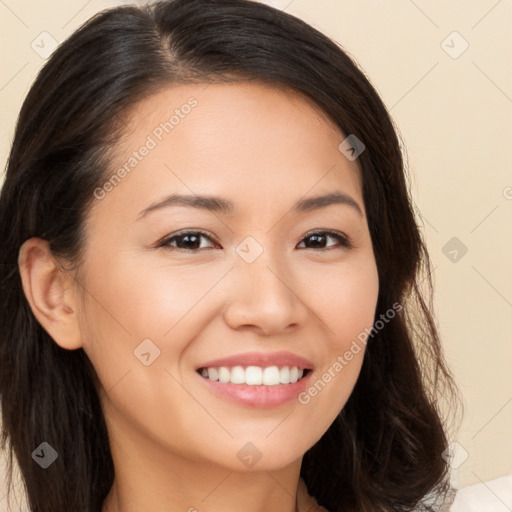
(222,100)
(238,140)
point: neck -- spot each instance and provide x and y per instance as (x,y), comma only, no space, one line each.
(149,478)
(221,489)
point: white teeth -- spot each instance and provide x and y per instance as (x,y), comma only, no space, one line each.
(212,373)
(224,374)
(237,375)
(254,375)
(271,376)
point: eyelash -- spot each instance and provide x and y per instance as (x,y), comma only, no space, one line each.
(343,240)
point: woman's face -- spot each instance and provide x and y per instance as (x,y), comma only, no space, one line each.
(264,285)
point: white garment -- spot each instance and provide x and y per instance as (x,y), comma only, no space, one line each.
(491,496)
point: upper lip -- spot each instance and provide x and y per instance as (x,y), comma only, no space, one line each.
(259,359)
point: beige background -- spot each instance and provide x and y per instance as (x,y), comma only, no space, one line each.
(453,108)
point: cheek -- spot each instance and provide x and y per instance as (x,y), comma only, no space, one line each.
(127,303)
(348,300)
(138,299)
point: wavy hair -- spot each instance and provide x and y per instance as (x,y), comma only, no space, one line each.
(387,448)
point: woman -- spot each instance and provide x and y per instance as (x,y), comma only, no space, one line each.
(211,276)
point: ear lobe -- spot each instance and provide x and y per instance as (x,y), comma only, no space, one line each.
(50,293)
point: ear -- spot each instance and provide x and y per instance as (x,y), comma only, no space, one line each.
(51,293)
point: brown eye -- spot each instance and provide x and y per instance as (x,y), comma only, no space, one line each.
(191,241)
(186,240)
(319,238)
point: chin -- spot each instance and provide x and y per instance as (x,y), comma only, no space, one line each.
(262,454)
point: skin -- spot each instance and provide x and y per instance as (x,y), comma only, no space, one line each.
(175,443)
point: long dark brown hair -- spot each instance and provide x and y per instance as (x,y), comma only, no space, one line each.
(387,448)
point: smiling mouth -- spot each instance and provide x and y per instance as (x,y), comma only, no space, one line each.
(255,375)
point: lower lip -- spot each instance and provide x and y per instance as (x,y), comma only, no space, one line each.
(258,396)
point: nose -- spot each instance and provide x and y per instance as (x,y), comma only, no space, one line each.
(265,296)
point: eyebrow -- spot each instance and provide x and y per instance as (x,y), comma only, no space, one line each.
(224,206)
